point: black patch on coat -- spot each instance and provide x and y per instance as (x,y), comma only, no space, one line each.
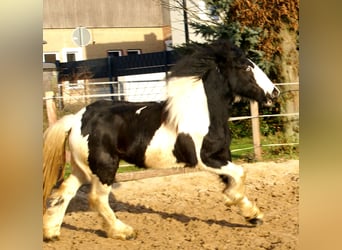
(215,146)
(225,179)
(223,69)
(185,150)
(55,201)
(117,132)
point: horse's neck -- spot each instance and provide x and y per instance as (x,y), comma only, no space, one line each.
(187,105)
(219,98)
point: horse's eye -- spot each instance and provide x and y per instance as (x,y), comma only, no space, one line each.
(249,68)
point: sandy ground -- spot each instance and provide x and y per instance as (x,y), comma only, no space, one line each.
(186,211)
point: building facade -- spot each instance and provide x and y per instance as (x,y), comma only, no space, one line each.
(115,28)
(75,30)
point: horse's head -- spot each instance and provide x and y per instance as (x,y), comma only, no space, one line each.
(245,78)
(248,80)
(270,90)
(242,77)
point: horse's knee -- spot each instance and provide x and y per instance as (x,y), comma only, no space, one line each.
(233,176)
(232,198)
(234,170)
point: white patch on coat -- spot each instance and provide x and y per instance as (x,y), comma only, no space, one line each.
(187,113)
(188,105)
(139,110)
(59,200)
(79,147)
(159,152)
(262,80)
(231,169)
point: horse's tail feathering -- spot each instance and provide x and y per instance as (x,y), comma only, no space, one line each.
(54,154)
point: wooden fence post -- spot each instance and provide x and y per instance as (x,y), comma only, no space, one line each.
(256,130)
(52,116)
(50,107)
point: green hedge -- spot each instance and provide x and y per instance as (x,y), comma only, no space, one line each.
(268,125)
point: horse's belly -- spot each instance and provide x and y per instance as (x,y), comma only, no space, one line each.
(159,152)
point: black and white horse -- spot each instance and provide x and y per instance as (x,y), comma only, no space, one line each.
(189,129)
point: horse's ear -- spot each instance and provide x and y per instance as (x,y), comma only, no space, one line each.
(225,52)
(220,51)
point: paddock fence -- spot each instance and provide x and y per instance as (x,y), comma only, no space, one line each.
(69,97)
(292,101)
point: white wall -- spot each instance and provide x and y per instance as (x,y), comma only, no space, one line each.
(177,21)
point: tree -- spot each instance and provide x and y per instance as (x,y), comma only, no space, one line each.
(260,28)
(223,26)
(267,30)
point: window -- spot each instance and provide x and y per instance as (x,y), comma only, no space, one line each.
(71,57)
(114,53)
(133,52)
(50,57)
(72,54)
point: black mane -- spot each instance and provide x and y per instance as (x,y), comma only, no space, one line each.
(197,59)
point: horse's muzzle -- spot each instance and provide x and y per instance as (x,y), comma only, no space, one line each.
(275,92)
(270,98)
(268,103)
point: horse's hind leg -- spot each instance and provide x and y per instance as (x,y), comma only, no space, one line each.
(99,201)
(234,177)
(57,205)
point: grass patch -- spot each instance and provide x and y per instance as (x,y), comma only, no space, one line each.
(124,167)
(281,152)
(241,143)
(67,170)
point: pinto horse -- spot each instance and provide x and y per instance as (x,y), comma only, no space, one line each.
(189,129)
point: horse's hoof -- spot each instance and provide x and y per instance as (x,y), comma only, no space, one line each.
(255,221)
(128,235)
(50,239)
(132,236)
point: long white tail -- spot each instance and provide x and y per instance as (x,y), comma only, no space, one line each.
(55,138)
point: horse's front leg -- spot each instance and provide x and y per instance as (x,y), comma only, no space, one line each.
(234,177)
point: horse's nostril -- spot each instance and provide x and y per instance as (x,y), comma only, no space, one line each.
(268,103)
